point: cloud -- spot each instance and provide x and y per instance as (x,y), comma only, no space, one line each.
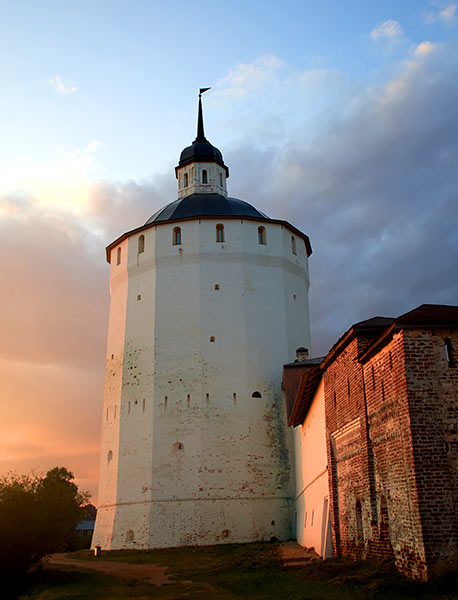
(445,13)
(62,86)
(280,99)
(53,318)
(376,192)
(387,29)
(247,78)
(425,48)
(62,182)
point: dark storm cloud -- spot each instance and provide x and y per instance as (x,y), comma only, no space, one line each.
(377,193)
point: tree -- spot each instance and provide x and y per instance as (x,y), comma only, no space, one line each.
(37,514)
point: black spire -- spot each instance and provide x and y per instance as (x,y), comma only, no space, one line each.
(201,150)
(200,120)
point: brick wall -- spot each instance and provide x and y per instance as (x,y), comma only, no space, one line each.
(391,428)
(396,526)
(347,450)
(432,387)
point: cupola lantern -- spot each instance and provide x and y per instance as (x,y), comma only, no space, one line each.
(201,169)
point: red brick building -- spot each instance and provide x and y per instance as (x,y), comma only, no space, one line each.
(391,420)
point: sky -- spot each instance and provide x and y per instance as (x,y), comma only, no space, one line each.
(340,117)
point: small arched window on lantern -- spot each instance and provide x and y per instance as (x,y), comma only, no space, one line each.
(118,256)
(141,244)
(220,180)
(220,233)
(186,180)
(204,176)
(262,235)
(176,236)
(293,245)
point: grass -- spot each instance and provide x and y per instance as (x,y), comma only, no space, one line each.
(230,572)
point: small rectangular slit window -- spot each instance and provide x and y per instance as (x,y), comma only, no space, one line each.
(448,351)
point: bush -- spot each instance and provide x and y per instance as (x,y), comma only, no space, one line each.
(37,515)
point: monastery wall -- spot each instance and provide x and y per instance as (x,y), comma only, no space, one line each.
(392,450)
(432,388)
(395,529)
(313,527)
(347,449)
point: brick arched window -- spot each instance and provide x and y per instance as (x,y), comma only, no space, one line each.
(118,256)
(262,235)
(141,244)
(204,176)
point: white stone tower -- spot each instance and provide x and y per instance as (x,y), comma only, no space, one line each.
(208,300)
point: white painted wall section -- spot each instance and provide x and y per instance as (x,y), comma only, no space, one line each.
(312,487)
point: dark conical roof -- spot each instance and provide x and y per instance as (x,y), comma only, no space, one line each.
(205,205)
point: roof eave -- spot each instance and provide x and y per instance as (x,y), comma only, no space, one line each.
(185,163)
(304,396)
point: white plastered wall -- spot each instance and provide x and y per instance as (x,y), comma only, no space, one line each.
(197,459)
(312,487)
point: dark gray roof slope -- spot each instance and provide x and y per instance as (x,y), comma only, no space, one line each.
(430,314)
(205,205)
(201,151)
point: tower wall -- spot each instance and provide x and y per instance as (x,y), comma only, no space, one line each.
(216,179)
(195,458)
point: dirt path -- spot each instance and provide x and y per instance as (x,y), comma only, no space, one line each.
(151,573)
(293,555)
